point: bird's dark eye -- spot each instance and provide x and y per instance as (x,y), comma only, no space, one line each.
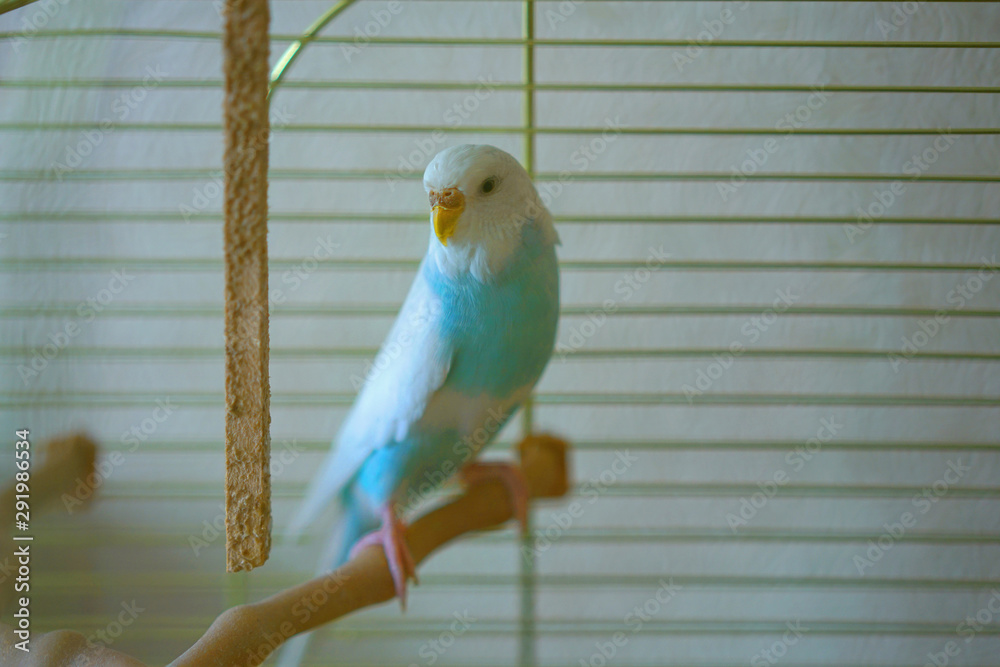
(489,185)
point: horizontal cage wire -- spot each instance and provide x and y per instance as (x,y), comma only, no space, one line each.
(778,338)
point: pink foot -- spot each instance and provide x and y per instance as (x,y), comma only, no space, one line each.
(397,552)
(511,477)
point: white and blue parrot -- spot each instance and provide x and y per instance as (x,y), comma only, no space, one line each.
(468,346)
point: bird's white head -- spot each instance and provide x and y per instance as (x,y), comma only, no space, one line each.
(481,202)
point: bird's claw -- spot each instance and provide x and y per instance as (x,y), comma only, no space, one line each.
(510,476)
(391,536)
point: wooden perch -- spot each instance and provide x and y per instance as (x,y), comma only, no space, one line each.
(248,393)
(68,463)
(257,629)
(261,627)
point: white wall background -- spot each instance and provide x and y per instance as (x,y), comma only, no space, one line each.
(121,208)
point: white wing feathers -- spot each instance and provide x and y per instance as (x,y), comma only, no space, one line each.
(412,364)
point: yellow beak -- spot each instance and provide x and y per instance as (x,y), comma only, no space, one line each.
(446,208)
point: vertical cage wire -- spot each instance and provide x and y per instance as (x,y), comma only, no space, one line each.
(526,639)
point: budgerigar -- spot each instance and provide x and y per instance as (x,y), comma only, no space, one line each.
(468,346)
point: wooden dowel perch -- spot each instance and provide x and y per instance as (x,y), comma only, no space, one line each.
(68,462)
(258,629)
(248,417)
(247,634)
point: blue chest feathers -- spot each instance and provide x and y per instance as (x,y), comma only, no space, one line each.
(503,332)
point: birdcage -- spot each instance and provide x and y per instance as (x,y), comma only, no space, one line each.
(777,354)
